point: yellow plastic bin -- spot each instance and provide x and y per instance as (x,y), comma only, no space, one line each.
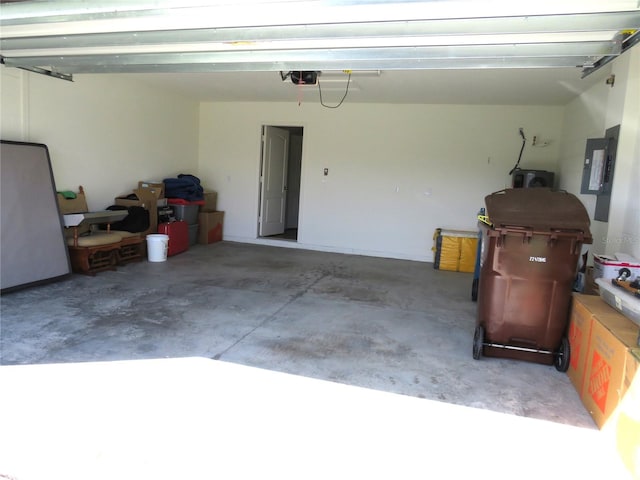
(455,250)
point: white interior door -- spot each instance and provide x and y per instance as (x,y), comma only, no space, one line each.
(273,180)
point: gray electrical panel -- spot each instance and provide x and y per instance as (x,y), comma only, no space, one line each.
(598,169)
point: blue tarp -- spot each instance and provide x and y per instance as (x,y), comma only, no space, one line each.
(185,186)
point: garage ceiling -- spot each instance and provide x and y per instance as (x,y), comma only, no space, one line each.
(438,51)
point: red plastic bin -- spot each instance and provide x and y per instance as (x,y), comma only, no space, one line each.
(178,236)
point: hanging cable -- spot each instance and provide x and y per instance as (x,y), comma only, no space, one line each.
(299,87)
(343,97)
(517,165)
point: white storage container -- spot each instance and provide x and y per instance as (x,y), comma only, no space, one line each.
(608,266)
(620,299)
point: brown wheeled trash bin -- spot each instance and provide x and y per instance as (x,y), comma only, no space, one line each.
(528,267)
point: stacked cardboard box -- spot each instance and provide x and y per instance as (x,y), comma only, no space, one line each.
(210,226)
(627,422)
(210,220)
(603,369)
(148,196)
(210,201)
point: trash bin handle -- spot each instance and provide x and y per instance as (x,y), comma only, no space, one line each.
(530,231)
(504,229)
(579,234)
(577,239)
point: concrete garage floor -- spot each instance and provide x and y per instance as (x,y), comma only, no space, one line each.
(388,325)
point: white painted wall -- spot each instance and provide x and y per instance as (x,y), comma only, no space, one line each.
(13,104)
(624,223)
(103,132)
(589,116)
(396,172)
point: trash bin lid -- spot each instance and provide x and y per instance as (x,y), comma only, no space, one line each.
(540,209)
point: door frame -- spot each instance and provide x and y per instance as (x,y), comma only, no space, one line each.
(288,126)
(274,170)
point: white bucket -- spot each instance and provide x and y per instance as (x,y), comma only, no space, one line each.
(157,247)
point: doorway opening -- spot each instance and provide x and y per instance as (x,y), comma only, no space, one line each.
(280,174)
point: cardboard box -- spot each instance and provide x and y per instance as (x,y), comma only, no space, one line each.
(584,308)
(590,286)
(605,372)
(608,266)
(69,206)
(210,227)
(157,188)
(210,201)
(579,334)
(627,428)
(612,336)
(147,199)
(72,205)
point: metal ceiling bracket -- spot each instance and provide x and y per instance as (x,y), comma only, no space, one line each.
(43,71)
(627,41)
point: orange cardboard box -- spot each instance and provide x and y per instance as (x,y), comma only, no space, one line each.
(211,225)
(579,333)
(605,370)
(627,428)
(583,309)
(612,336)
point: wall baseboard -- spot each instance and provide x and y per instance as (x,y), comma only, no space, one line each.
(329,249)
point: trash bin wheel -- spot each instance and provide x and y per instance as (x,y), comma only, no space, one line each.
(478,342)
(474,290)
(562,356)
